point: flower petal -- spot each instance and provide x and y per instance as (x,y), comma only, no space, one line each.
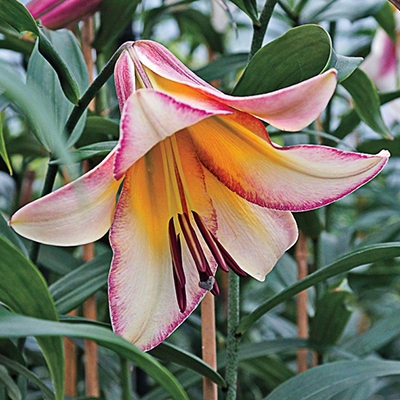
(291,108)
(256,237)
(149,117)
(143,303)
(125,79)
(294,178)
(78,213)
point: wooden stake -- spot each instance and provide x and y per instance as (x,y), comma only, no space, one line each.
(71,374)
(302,316)
(209,348)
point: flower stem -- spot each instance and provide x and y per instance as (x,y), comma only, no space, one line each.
(210,390)
(232,343)
(51,174)
(126,379)
(92,90)
(259,31)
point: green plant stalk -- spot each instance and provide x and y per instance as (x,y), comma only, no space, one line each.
(232,343)
(51,174)
(92,90)
(126,384)
(259,31)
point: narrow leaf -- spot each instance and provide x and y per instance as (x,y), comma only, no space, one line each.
(14,325)
(22,370)
(75,287)
(168,352)
(366,101)
(327,380)
(354,259)
(67,81)
(3,150)
(16,15)
(249,7)
(24,290)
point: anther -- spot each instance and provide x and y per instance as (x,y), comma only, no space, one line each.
(193,243)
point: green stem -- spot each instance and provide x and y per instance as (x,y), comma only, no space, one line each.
(126,379)
(92,90)
(51,174)
(232,344)
(259,31)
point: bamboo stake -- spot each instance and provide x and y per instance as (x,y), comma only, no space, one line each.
(302,317)
(209,348)
(70,373)
(92,388)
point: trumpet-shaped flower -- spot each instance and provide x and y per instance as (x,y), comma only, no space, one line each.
(56,14)
(202,186)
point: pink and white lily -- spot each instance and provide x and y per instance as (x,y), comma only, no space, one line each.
(202,186)
(57,14)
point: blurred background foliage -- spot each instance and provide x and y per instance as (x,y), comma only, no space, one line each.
(352,246)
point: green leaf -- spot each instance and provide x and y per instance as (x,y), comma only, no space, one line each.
(299,54)
(9,349)
(43,80)
(16,15)
(13,325)
(168,352)
(332,313)
(375,146)
(85,152)
(386,19)
(327,380)
(198,27)
(34,107)
(249,7)
(309,223)
(366,101)
(3,150)
(11,387)
(77,286)
(24,290)
(222,66)
(7,233)
(21,370)
(319,10)
(345,66)
(115,17)
(68,83)
(354,259)
(384,331)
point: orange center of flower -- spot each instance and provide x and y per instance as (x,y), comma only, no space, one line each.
(185,221)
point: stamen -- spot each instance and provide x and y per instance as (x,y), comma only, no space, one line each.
(180,293)
(193,243)
(232,264)
(176,253)
(178,273)
(208,238)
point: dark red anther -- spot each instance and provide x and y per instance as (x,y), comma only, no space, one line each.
(193,243)
(232,264)
(208,238)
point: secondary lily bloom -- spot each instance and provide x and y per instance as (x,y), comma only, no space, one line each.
(202,186)
(56,14)
(382,67)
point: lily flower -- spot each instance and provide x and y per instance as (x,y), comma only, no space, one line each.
(57,14)
(202,186)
